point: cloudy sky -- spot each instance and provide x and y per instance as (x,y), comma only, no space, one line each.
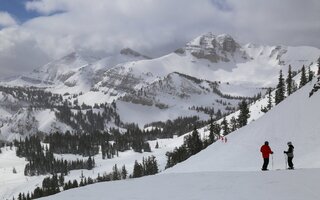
(33,32)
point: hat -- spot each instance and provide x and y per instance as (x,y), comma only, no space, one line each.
(266,142)
(289,143)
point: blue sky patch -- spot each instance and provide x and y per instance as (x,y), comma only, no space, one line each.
(17,9)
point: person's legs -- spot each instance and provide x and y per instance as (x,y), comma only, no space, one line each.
(265,163)
(290,162)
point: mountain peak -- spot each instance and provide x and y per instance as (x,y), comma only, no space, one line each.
(213,48)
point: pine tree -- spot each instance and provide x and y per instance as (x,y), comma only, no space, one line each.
(289,81)
(233,124)
(310,74)
(303,78)
(280,90)
(124,172)
(193,142)
(150,166)
(244,114)
(90,163)
(225,126)
(61,179)
(137,170)
(211,130)
(115,173)
(75,184)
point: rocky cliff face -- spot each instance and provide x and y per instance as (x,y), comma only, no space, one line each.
(221,48)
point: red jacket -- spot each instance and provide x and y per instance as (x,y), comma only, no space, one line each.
(265,150)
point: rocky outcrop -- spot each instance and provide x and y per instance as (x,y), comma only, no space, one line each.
(221,48)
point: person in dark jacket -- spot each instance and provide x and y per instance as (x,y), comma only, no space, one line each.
(290,155)
(266,151)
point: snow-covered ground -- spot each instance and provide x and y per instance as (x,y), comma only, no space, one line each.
(13,183)
(277,185)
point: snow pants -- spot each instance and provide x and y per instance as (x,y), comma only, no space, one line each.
(290,162)
(265,163)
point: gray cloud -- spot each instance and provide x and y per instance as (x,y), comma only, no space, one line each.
(153,27)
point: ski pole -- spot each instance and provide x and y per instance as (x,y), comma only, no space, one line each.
(272,160)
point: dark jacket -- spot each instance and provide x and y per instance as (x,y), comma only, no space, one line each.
(265,150)
(290,151)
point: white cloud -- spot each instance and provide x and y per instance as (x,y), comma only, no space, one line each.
(153,27)
(47,6)
(6,19)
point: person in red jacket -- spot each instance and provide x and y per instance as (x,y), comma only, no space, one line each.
(266,151)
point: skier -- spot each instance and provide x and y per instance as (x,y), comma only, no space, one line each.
(266,151)
(290,155)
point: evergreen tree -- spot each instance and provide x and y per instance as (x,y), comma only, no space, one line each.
(178,155)
(124,172)
(289,81)
(61,179)
(233,124)
(150,166)
(146,147)
(216,128)
(303,78)
(115,173)
(225,126)
(244,114)
(137,170)
(193,142)
(90,163)
(280,90)
(211,130)
(310,74)
(75,184)
(28,196)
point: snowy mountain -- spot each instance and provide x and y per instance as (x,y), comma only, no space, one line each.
(209,57)
(76,72)
(147,90)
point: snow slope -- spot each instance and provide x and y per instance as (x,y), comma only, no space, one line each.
(295,119)
(282,185)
